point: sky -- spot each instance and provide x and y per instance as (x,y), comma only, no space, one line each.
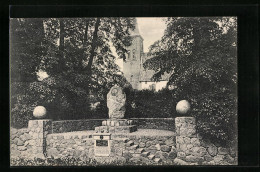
(150,28)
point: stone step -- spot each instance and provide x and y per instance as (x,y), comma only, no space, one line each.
(145,154)
(151,156)
(140,150)
(126,140)
(136,155)
(134,147)
(130,143)
(157,160)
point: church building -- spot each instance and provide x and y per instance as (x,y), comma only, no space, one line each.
(133,69)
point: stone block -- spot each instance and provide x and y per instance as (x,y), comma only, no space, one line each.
(165,148)
(187,140)
(195,142)
(139,150)
(189,146)
(181,155)
(127,155)
(192,158)
(172,155)
(208,158)
(178,161)
(145,154)
(19,142)
(222,151)
(136,155)
(151,157)
(183,147)
(179,140)
(218,158)
(212,150)
(157,160)
(158,147)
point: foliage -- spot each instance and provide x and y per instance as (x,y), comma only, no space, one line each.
(150,104)
(77,56)
(201,52)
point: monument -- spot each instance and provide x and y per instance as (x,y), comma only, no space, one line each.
(116,123)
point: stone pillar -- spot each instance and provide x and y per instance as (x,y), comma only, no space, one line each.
(186,138)
(39,129)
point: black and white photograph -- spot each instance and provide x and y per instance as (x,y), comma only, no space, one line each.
(123,91)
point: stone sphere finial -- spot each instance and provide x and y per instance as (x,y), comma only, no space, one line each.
(39,112)
(183,107)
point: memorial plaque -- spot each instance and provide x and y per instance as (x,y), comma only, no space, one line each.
(101,142)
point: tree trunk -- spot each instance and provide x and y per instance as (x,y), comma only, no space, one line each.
(92,53)
(84,42)
(93,46)
(61,64)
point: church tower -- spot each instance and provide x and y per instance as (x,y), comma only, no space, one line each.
(132,64)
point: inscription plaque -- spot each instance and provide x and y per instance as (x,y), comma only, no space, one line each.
(101,142)
(102,145)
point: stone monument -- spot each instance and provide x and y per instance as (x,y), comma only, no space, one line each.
(116,102)
(116,123)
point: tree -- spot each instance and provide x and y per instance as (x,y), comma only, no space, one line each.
(78,59)
(201,53)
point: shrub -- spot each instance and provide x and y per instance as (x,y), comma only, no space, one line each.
(150,104)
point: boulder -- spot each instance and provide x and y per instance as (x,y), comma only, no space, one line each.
(116,99)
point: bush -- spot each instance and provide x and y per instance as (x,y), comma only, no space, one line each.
(150,104)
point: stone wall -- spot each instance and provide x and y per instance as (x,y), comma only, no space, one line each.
(145,146)
(90,124)
(75,125)
(19,142)
(125,148)
(70,145)
(30,142)
(155,123)
(193,150)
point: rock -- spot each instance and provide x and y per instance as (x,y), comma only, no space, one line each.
(181,155)
(169,142)
(222,151)
(192,158)
(179,140)
(195,142)
(165,148)
(158,147)
(187,140)
(52,152)
(116,102)
(19,142)
(218,158)
(21,148)
(142,145)
(189,146)
(212,150)
(127,155)
(208,158)
(172,154)
(148,144)
(183,147)
(180,162)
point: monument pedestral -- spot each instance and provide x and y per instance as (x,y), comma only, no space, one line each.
(116,105)
(116,126)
